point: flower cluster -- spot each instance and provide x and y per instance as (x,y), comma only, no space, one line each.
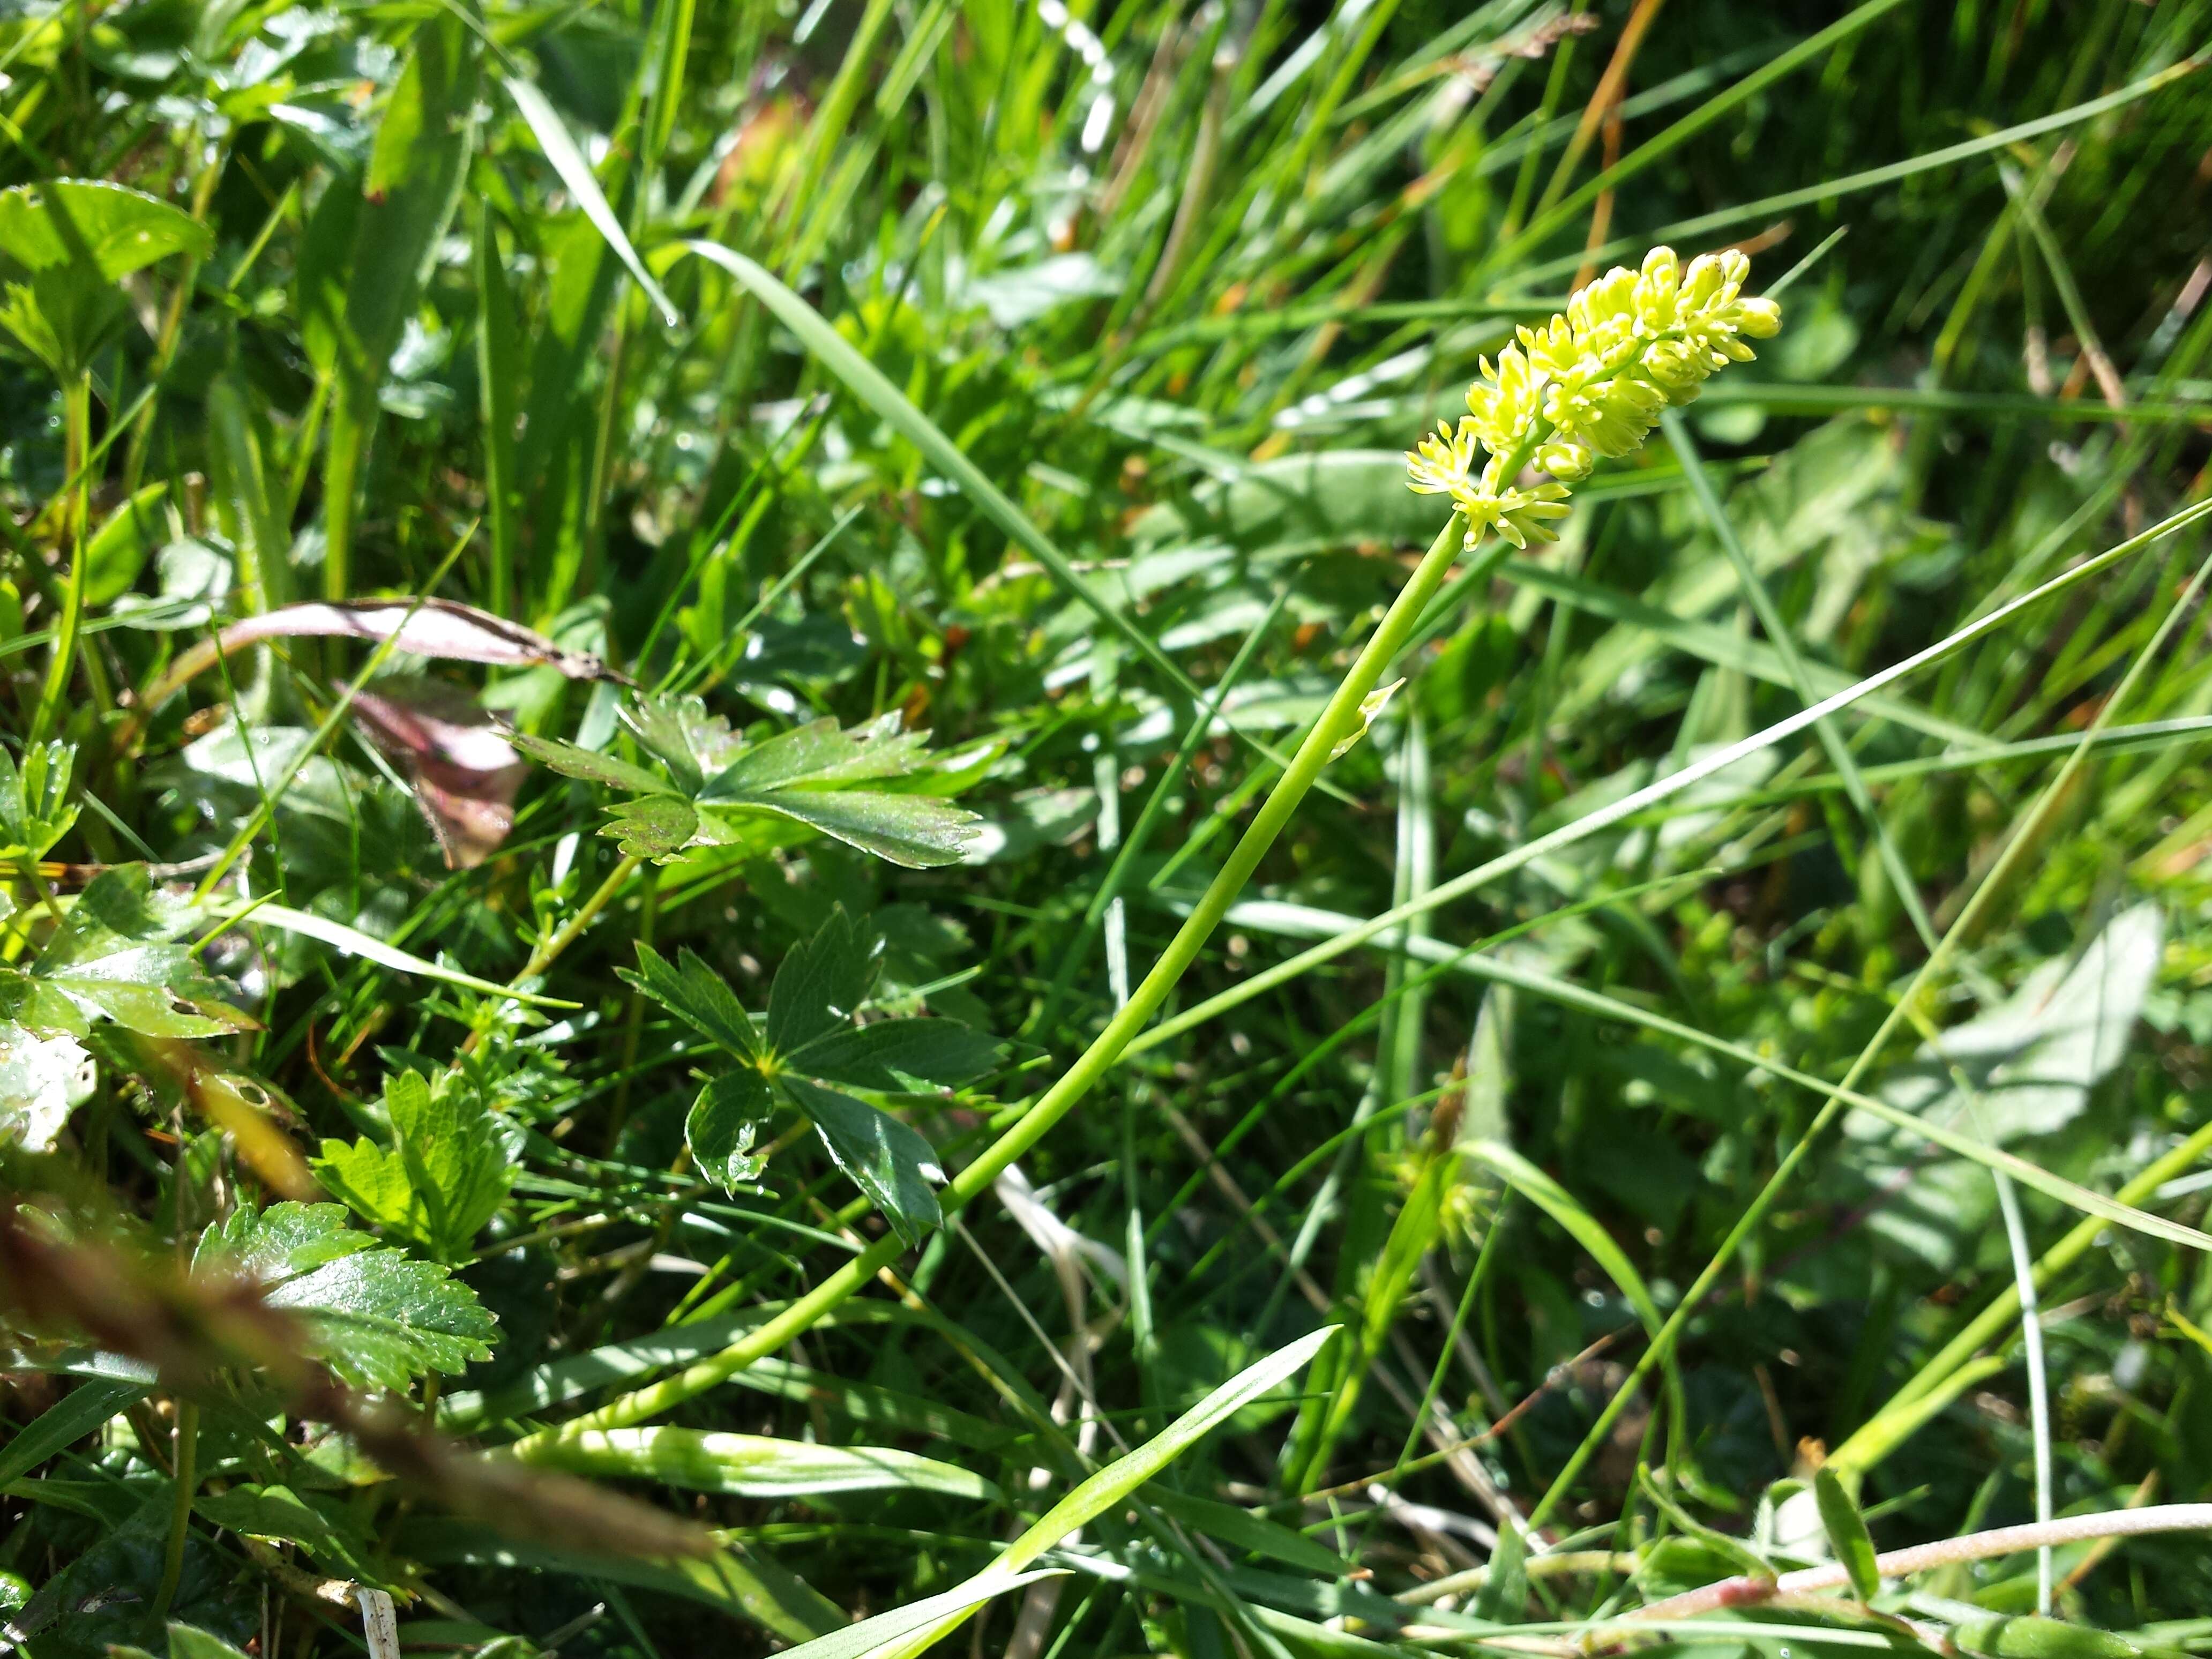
(1587,384)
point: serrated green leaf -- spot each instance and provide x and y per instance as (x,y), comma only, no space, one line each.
(891,1053)
(916,832)
(805,775)
(658,827)
(696,994)
(893,1165)
(376,1316)
(723,1124)
(691,743)
(821,983)
(591,766)
(1847,1534)
(445,1174)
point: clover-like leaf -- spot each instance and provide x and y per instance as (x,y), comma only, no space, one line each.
(442,1178)
(891,1161)
(376,1316)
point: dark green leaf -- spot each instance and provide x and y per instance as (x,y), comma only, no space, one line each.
(887,1055)
(76,1415)
(1847,1535)
(330,1537)
(696,994)
(377,1318)
(64,243)
(821,983)
(893,1165)
(723,1124)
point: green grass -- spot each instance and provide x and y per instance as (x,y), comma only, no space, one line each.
(1760,947)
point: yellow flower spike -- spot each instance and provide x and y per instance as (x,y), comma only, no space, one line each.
(1589,382)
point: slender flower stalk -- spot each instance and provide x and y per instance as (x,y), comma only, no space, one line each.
(1591,382)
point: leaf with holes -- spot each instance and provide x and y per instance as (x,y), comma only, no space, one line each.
(115,957)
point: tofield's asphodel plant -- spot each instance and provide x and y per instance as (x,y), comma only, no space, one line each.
(1590,383)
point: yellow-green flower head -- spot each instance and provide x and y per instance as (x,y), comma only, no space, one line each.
(1589,382)
(1506,403)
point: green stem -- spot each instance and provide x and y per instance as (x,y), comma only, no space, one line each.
(180,1512)
(76,433)
(544,956)
(1339,720)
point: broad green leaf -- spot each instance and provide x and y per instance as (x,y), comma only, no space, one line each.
(755,1465)
(442,1178)
(115,957)
(36,810)
(696,994)
(821,983)
(1847,1534)
(118,550)
(893,1053)
(377,1318)
(1111,1486)
(723,1124)
(87,226)
(893,1165)
(64,243)
(76,1415)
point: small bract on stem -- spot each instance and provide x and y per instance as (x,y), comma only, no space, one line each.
(1589,383)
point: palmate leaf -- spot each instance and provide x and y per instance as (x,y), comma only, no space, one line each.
(442,1178)
(706,783)
(811,1052)
(376,1316)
